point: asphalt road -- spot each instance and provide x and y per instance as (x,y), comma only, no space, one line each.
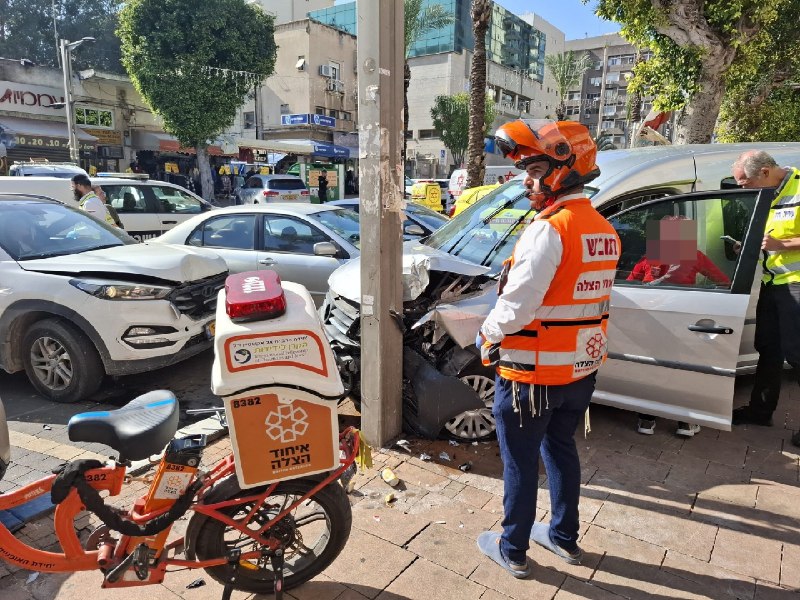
(189,380)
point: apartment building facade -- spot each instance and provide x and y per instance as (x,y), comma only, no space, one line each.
(601,102)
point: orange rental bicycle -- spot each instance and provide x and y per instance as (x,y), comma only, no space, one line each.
(260,540)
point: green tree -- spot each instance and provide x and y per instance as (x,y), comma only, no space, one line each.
(694,44)
(761,102)
(451,117)
(27,31)
(567,70)
(194,61)
(418,20)
(481,13)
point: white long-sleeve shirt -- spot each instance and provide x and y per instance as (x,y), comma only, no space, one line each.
(536,257)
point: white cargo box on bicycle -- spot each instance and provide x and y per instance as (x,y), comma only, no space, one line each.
(273,376)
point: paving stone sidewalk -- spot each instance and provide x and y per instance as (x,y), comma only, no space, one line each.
(716,516)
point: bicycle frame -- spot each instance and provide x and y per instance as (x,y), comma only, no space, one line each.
(111,479)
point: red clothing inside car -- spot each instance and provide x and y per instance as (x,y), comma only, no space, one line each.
(684,273)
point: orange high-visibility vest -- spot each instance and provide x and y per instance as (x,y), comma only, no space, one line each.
(567,339)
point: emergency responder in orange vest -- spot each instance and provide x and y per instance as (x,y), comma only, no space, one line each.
(547,337)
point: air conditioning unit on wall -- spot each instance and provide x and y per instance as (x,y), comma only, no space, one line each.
(326,70)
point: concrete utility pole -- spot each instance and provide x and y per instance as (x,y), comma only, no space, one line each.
(602,106)
(381,59)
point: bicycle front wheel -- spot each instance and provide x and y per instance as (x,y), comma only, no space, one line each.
(312,535)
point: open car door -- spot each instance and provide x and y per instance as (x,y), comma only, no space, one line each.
(678,304)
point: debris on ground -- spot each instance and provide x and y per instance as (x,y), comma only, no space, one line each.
(425,457)
(390,497)
(403,445)
(32,577)
(453,443)
(444,455)
(466,467)
(196,584)
(389,477)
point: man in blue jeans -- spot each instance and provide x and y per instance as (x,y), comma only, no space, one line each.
(547,337)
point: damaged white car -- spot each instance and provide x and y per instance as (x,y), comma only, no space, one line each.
(80,299)
(675,343)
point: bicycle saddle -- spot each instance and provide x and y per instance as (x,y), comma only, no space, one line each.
(138,430)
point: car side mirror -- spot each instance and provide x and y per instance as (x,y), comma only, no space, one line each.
(413,229)
(325,249)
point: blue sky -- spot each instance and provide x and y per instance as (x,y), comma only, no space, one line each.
(575,19)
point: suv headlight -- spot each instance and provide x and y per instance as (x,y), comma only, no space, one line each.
(112,290)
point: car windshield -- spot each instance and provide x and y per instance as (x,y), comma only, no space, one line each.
(30,230)
(343,222)
(485,233)
(431,219)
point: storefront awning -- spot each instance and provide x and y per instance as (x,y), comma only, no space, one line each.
(312,147)
(163,142)
(38,129)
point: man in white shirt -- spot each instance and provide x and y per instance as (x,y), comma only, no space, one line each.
(88,200)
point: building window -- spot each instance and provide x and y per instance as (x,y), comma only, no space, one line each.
(285,109)
(94,117)
(300,65)
(346,116)
(574,96)
(596,81)
(428,134)
(319,110)
(612,78)
(333,113)
(336,70)
(609,110)
(409,134)
(606,125)
(573,110)
(249,119)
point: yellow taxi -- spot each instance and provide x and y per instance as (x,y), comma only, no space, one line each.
(428,194)
(470,196)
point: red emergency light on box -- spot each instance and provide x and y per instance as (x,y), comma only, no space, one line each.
(254,296)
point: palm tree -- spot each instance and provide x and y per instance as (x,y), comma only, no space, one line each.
(567,69)
(419,21)
(481,13)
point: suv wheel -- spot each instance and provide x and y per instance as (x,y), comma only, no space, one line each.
(61,362)
(475,425)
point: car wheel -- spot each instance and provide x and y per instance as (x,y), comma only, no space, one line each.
(475,425)
(61,362)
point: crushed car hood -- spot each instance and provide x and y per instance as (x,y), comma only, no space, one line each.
(462,318)
(161,261)
(418,260)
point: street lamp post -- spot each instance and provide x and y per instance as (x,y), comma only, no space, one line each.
(66,48)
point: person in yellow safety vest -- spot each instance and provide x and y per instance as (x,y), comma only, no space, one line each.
(547,337)
(778,312)
(88,200)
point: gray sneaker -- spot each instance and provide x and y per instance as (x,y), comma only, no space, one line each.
(540,533)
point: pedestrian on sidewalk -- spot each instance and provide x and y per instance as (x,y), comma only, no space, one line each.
(778,311)
(322,184)
(547,337)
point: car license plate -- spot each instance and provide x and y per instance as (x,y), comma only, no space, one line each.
(211,329)
(290,197)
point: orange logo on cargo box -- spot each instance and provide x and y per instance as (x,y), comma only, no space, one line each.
(302,349)
(274,440)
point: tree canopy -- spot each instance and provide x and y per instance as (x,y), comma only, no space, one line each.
(27,31)
(450,116)
(194,61)
(694,44)
(567,70)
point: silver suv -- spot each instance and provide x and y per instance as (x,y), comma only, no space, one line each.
(261,189)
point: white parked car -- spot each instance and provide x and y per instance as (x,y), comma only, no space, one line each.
(80,299)
(303,243)
(675,346)
(146,207)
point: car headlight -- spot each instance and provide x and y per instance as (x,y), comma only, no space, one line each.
(112,290)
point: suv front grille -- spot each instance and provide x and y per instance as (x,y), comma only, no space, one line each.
(198,299)
(342,320)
